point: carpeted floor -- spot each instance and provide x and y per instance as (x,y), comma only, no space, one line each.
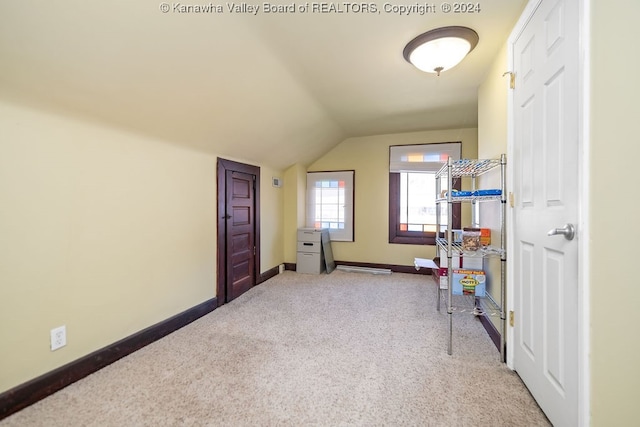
(344,349)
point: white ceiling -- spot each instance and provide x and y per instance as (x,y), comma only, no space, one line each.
(275,89)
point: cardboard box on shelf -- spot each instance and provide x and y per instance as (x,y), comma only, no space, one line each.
(485,235)
(468,282)
(465,282)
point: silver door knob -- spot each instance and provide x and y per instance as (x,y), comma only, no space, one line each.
(568,231)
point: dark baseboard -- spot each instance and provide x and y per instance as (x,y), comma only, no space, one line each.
(491,330)
(17,398)
(268,275)
(290,266)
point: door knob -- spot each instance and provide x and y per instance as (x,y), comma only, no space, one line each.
(568,231)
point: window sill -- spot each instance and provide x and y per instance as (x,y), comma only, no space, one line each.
(413,240)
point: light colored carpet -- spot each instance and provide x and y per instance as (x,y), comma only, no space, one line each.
(302,350)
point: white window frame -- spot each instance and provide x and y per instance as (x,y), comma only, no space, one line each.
(345,234)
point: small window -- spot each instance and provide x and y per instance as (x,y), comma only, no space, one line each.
(330,203)
(412,208)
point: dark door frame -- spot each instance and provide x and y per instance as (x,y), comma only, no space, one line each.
(224,166)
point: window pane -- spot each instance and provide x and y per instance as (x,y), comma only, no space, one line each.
(330,203)
(403,198)
(329,212)
(329,207)
(414,227)
(417,197)
(412,192)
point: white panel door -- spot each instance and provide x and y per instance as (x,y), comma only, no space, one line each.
(545,178)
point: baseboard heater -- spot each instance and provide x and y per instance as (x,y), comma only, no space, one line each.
(354,269)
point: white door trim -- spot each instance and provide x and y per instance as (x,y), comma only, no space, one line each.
(583,201)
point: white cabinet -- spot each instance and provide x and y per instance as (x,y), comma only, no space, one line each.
(310,255)
(451,247)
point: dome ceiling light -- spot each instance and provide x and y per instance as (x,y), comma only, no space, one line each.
(440,49)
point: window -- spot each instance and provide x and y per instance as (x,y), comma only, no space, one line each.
(412,208)
(330,203)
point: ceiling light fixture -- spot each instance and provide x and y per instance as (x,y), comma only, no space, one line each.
(440,49)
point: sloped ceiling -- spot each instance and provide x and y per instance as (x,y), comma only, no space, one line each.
(272,88)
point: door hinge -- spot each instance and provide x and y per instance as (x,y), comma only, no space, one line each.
(254,250)
(512,79)
(512,318)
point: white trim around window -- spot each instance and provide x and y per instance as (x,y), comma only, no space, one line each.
(330,203)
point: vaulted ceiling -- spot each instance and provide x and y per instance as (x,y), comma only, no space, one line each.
(275,88)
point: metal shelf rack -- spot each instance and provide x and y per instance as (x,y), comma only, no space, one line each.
(455,169)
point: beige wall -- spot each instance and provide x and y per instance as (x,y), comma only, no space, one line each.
(492,111)
(492,142)
(272,219)
(108,232)
(614,150)
(105,232)
(611,145)
(369,157)
(295,179)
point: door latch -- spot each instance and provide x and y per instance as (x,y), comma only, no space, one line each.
(568,231)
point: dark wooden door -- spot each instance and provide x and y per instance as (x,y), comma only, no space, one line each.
(240,220)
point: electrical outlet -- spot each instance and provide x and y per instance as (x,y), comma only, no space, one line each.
(58,337)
